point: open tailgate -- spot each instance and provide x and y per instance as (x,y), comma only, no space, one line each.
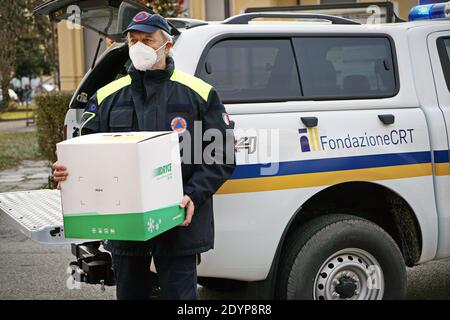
(37,214)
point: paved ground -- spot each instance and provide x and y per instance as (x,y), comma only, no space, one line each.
(29,175)
(18,126)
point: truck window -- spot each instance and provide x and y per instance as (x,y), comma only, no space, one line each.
(443,45)
(345,67)
(246,70)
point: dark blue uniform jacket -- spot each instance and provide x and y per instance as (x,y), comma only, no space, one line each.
(162,100)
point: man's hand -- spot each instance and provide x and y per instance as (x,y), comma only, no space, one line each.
(187,203)
(59,174)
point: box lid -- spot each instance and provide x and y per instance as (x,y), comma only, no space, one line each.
(116,137)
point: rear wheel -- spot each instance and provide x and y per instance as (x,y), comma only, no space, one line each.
(341,257)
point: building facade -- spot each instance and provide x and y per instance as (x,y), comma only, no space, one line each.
(221,9)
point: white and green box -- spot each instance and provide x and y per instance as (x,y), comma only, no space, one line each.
(121,186)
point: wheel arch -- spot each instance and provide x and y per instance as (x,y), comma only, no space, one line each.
(369,200)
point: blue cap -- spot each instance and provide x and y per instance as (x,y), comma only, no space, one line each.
(148,23)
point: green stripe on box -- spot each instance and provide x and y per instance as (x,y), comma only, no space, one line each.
(127,226)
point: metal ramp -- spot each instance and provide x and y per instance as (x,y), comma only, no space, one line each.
(37,214)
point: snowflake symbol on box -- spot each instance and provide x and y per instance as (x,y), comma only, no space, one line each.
(152,225)
(158,224)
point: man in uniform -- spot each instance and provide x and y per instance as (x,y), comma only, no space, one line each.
(155,96)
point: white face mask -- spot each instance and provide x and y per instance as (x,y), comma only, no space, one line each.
(144,57)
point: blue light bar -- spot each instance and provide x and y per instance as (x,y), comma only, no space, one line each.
(430,11)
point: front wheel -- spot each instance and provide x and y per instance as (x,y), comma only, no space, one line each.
(341,257)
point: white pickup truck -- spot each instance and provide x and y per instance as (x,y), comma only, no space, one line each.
(358,116)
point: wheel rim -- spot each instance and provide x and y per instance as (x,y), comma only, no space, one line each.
(349,274)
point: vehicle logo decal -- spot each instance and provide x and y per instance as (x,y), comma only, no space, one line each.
(311,140)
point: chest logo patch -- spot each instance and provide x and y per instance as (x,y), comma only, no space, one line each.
(178,124)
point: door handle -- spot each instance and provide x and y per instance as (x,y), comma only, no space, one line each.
(309,122)
(387,118)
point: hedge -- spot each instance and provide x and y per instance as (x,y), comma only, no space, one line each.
(50,114)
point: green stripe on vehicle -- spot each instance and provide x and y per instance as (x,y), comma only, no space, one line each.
(127,226)
(112,87)
(196,84)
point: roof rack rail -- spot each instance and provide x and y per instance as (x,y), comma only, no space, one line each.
(247,17)
(180,23)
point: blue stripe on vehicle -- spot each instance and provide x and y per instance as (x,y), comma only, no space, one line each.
(334,164)
(441,156)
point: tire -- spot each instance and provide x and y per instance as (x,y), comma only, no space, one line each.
(341,257)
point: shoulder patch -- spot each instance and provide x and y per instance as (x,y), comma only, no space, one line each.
(196,84)
(92,107)
(112,87)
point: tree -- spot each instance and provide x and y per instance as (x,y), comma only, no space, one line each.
(12,14)
(165,8)
(36,50)
(31,59)
(26,42)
